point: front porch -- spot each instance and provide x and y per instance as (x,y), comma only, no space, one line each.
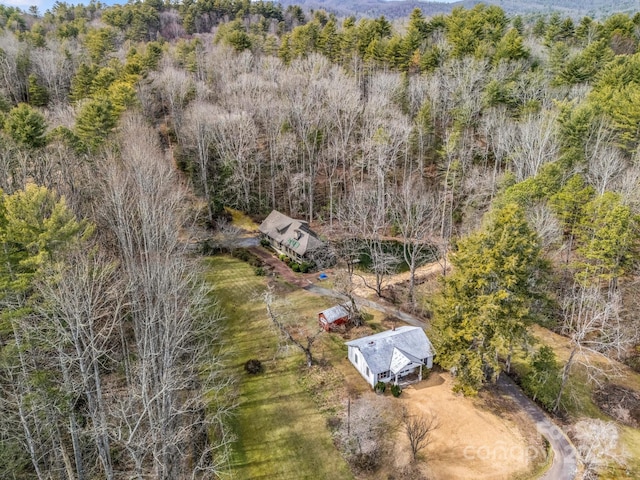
(403,366)
(410,379)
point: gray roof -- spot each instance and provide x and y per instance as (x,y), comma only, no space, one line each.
(334,313)
(293,233)
(378,349)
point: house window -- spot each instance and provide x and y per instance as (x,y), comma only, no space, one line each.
(355,358)
(368,373)
(384,375)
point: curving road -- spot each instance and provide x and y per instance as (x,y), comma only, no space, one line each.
(565,464)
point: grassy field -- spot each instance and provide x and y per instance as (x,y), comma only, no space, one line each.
(281,433)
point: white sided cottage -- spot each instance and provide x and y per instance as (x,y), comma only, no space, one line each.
(391,355)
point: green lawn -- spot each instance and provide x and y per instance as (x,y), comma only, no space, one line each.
(281,434)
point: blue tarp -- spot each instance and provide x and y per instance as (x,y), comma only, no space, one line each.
(323,276)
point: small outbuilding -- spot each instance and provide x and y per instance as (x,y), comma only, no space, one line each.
(291,237)
(332,317)
(391,355)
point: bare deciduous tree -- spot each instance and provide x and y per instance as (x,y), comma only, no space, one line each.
(174,86)
(605,164)
(367,433)
(12,80)
(228,235)
(546,224)
(167,398)
(54,66)
(83,308)
(305,94)
(199,130)
(365,220)
(419,428)
(598,443)
(235,143)
(415,216)
(297,335)
(534,144)
(592,322)
(344,109)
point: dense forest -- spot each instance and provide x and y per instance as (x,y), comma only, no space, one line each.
(508,146)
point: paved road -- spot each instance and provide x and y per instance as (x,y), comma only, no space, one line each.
(564,466)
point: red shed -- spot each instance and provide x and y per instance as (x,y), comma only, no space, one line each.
(333,316)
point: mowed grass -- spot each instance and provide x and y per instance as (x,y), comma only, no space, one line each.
(281,434)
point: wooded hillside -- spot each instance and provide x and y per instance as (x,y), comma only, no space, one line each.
(453,132)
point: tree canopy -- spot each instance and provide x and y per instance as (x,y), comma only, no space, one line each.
(489,300)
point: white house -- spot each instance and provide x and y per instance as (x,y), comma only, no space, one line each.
(391,355)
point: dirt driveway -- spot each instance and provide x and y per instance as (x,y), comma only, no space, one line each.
(483,438)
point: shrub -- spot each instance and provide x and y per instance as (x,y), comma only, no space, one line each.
(295,266)
(282,257)
(208,247)
(366,462)
(542,382)
(396,390)
(334,423)
(259,271)
(305,267)
(380,387)
(264,242)
(241,254)
(255,261)
(246,256)
(253,366)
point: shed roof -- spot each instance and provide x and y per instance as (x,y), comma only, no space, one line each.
(293,233)
(410,344)
(334,313)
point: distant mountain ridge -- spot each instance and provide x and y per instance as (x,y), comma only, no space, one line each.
(402,8)
(375,8)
